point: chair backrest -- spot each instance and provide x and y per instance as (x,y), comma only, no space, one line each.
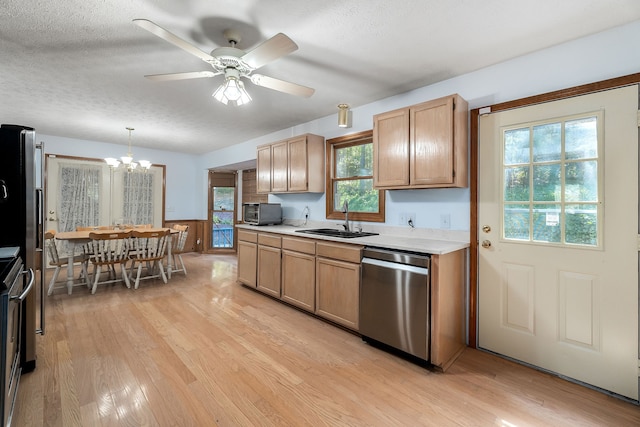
(180,238)
(109,248)
(50,242)
(143,226)
(149,245)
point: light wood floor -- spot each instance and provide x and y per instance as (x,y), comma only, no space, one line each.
(205,351)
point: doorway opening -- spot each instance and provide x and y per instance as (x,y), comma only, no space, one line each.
(222,211)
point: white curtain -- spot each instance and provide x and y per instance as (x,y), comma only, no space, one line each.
(137,205)
(79,197)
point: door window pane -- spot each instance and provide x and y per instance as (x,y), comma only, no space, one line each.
(581,138)
(223,217)
(516,146)
(516,222)
(547,142)
(546,183)
(546,223)
(516,184)
(582,224)
(581,181)
(552,181)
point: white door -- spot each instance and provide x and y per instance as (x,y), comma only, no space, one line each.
(74,182)
(558,234)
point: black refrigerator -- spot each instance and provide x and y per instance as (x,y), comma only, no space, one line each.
(22,219)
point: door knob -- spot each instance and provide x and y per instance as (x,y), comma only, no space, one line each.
(486,228)
(486,243)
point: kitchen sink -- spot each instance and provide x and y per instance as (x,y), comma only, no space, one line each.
(332,232)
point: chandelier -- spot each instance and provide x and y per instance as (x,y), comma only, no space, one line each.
(127,161)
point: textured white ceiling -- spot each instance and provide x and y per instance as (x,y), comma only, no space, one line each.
(75,68)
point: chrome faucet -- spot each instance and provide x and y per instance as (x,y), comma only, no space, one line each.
(345,209)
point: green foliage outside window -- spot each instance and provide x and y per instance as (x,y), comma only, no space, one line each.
(353,180)
(223,203)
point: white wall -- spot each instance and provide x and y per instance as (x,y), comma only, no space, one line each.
(602,56)
(181,178)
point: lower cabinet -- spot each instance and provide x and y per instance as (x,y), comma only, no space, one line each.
(247,255)
(299,272)
(269,272)
(323,278)
(338,283)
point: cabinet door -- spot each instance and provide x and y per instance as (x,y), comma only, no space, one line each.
(279,167)
(298,164)
(338,291)
(432,144)
(263,166)
(299,279)
(247,262)
(391,148)
(269,270)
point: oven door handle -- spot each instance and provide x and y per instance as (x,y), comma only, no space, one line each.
(24,293)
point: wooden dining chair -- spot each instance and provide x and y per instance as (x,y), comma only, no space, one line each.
(109,250)
(56,261)
(177,247)
(148,250)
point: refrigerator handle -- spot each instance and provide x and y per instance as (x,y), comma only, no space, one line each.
(39,220)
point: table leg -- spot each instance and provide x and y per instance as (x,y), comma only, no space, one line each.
(70,268)
(169,257)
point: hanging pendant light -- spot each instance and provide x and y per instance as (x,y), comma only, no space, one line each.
(127,161)
(343,116)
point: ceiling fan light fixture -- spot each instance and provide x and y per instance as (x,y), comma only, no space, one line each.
(232,90)
(343,116)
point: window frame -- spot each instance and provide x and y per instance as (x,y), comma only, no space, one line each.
(364,137)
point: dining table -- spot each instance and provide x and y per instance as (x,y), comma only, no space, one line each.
(82,237)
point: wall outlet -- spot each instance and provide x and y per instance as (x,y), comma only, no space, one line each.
(445,221)
(411,219)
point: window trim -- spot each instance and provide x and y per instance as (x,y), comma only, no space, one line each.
(346,141)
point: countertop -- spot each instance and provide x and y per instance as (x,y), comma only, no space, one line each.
(436,242)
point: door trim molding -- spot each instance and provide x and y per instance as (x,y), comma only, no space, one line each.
(473,169)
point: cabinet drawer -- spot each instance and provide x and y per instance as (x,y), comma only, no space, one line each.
(269,240)
(247,236)
(306,246)
(350,253)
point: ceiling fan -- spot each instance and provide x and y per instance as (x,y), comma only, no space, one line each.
(233,63)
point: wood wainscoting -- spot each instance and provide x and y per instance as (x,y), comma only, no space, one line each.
(195,238)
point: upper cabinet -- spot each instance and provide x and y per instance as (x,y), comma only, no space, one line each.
(421,146)
(294,165)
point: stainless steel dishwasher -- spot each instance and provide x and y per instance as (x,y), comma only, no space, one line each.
(394,300)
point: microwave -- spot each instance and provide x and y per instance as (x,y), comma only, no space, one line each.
(262,213)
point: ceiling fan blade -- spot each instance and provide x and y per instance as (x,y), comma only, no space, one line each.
(181,76)
(270,50)
(281,85)
(157,30)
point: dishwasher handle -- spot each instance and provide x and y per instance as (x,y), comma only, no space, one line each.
(395,266)
(397,257)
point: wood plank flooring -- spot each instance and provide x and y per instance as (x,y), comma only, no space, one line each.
(205,351)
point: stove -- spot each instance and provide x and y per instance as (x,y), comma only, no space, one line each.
(12,293)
